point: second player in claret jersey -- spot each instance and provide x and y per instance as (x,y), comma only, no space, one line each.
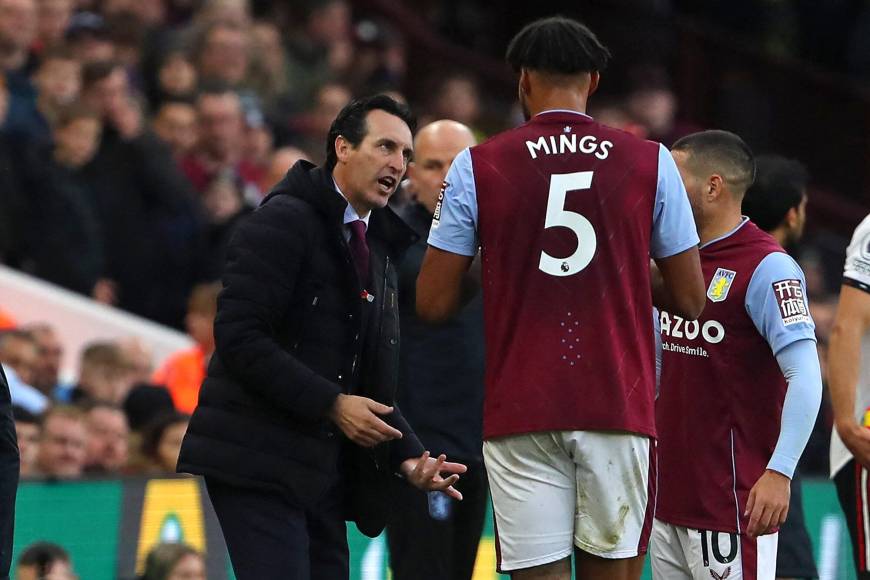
(740,387)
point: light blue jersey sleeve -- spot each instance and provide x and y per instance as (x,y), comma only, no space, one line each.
(454,225)
(799,362)
(776,301)
(673,229)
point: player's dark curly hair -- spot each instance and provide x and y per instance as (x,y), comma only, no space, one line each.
(557,45)
(351,122)
(780,184)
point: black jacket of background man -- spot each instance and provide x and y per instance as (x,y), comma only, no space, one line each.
(293,332)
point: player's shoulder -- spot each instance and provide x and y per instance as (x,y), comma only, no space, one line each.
(862,232)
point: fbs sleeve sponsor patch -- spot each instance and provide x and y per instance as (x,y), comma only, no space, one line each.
(792,304)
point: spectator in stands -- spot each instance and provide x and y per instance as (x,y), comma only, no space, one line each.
(282,160)
(46,369)
(311,128)
(458,98)
(104,376)
(176,123)
(223,54)
(144,404)
(152,222)
(221,134)
(108,439)
(88,38)
(9,475)
(19,354)
(322,51)
(28,433)
(44,561)
(652,103)
(18,24)
(268,73)
(140,358)
(176,78)
(63,445)
(53,19)
(183,372)
(66,243)
(57,80)
(174,562)
(161,442)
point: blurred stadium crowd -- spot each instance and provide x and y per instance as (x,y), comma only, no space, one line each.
(135,134)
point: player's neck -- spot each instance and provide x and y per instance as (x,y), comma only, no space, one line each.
(558,100)
(718,227)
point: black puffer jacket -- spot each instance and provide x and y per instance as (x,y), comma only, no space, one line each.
(289,338)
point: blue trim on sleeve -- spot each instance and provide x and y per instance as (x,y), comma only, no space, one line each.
(454,228)
(799,362)
(764,301)
(674,228)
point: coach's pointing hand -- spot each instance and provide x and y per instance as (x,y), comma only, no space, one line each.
(357,417)
(767,506)
(425,473)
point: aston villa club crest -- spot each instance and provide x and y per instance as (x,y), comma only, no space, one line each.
(720,285)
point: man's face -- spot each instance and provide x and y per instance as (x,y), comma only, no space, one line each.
(54,17)
(77,142)
(47,366)
(22,355)
(63,448)
(18,23)
(225,56)
(433,154)
(220,123)
(108,446)
(374,168)
(176,124)
(59,80)
(109,94)
(28,445)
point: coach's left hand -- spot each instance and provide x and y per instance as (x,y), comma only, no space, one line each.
(767,506)
(425,473)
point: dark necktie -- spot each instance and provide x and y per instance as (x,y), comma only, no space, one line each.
(359,250)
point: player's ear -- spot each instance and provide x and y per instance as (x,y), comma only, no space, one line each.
(525,83)
(595,78)
(342,148)
(791,217)
(715,187)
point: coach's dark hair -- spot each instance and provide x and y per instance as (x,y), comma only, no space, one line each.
(722,152)
(351,122)
(780,184)
(557,45)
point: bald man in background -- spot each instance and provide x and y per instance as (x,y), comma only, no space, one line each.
(440,390)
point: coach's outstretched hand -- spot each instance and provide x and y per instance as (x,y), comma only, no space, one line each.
(767,506)
(425,473)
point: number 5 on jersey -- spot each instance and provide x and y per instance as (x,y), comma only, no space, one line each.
(557,215)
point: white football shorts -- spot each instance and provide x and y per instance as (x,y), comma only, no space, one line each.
(678,553)
(554,490)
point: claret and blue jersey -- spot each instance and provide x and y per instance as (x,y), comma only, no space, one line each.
(567,213)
